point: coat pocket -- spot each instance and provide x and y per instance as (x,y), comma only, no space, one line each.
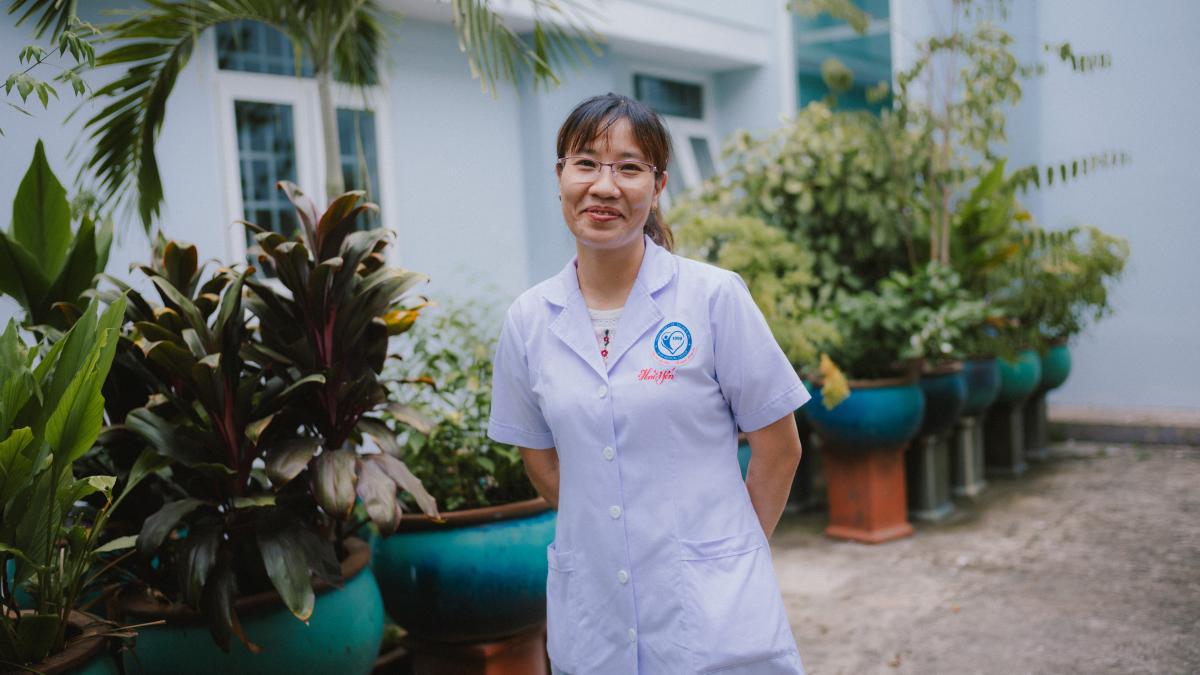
(734,613)
(559,624)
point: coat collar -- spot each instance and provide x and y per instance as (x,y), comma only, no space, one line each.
(574,326)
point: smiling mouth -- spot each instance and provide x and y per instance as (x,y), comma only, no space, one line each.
(602,213)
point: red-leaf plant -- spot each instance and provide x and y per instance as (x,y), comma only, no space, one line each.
(239,410)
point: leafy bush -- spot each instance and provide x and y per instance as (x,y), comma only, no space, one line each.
(51,411)
(450,355)
(777,271)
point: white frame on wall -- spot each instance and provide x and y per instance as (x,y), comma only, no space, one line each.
(682,129)
(301,94)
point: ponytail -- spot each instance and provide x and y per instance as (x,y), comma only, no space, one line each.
(658,230)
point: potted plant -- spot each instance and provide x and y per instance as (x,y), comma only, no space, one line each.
(779,274)
(946,314)
(258,414)
(1072,271)
(843,187)
(51,411)
(475,576)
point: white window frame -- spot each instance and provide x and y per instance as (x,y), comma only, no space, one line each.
(301,94)
(684,164)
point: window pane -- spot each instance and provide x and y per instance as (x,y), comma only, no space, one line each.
(359,156)
(266,155)
(668,97)
(703,157)
(254,47)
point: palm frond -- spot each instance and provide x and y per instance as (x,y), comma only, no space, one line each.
(56,14)
(154,46)
(562,37)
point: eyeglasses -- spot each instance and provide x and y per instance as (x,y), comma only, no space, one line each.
(578,169)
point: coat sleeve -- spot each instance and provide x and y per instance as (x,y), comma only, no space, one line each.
(515,417)
(755,376)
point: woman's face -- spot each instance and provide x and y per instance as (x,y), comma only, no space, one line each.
(605,211)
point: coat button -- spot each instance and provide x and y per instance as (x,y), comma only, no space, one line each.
(615,512)
(602,391)
(623,576)
(609,453)
(633,635)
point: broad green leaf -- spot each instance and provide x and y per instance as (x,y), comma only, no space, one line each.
(197,555)
(79,269)
(41,215)
(287,461)
(158,526)
(287,566)
(103,484)
(75,423)
(12,461)
(334,477)
(119,544)
(216,601)
(22,276)
(165,438)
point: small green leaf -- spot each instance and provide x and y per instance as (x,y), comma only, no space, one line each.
(118,544)
(256,501)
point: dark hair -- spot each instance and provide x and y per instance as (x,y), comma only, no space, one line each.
(596,115)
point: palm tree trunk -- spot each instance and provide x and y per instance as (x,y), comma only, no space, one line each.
(334,185)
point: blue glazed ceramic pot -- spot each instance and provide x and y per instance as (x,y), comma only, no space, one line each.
(983,385)
(877,414)
(342,636)
(1056,366)
(945,392)
(478,577)
(1020,378)
(744,457)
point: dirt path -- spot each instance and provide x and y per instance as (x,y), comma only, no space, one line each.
(1088,564)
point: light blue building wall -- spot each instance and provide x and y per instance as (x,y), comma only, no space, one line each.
(468,183)
(467,179)
(1145,355)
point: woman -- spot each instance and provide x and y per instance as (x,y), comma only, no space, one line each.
(624,380)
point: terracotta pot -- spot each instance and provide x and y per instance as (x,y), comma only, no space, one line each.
(862,452)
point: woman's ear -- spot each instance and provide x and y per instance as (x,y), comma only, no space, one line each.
(662,184)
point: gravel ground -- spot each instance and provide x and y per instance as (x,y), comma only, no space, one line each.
(1088,564)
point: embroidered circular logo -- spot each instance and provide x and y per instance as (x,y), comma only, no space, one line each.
(673,344)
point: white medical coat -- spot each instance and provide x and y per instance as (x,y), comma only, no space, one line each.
(659,564)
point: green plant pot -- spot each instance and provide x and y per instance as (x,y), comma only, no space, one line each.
(1056,366)
(877,414)
(1018,379)
(744,457)
(480,576)
(342,636)
(945,397)
(983,385)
